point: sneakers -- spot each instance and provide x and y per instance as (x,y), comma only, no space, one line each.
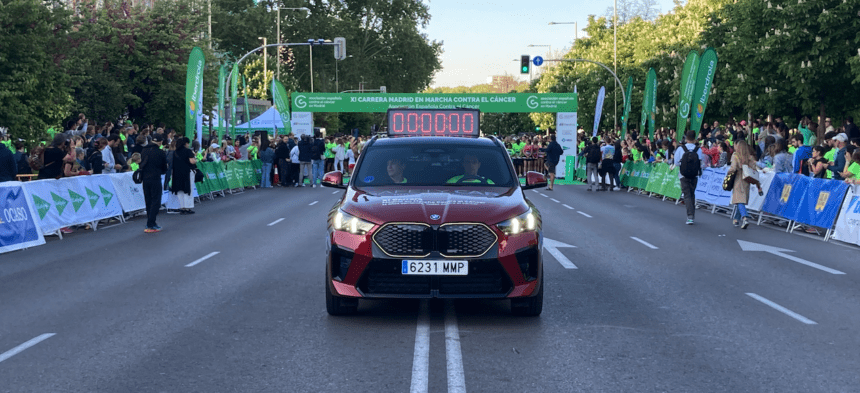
(152,229)
(745,223)
(690,221)
(314,186)
(186,211)
(736,223)
(616,189)
(172,211)
(66,230)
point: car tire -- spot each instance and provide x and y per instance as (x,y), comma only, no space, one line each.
(336,305)
(530,306)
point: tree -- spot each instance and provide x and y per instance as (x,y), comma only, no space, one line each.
(34,90)
(629,9)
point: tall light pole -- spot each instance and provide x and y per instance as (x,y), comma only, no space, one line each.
(265,66)
(336,78)
(278,39)
(615,60)
(575,26)
(210,24)
(311,43)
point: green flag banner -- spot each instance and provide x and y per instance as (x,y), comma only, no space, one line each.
(282,103)
(245,95)
(643,121)
(496,103)
(193,88)
(222,74)
(628,92)
(234,94)
(651,86)
(691,66)
(702,91)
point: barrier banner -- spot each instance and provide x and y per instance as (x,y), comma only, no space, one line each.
(625,172)
(18,228)
(671,183)
(257,165)
(130,195)
(72,201)
(655,180)
(756,201)
(232,180)
(710,187)
(580,170)
(821,201)
(221,173)
(779,195)
(644,175)
(170,200)
(848,223)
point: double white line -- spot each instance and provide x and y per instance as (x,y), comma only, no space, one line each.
(421,359)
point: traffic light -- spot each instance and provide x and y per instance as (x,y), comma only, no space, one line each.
(525,64)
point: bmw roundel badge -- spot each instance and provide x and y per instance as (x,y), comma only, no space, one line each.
(435,216)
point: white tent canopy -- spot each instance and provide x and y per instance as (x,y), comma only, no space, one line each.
(268,120)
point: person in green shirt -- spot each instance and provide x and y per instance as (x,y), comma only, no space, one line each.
(395,169)
(471,165)
(830,156)
(329,154)
(852,173)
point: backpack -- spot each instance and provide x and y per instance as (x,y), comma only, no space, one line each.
(317,149)
(691,165)
(593,155)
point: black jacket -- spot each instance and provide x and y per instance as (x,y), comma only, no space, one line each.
(23,163)
(153,163)
(304,151)
(283,151)
(554,152)
(8,167)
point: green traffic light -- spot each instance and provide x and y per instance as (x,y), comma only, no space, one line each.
(525,69)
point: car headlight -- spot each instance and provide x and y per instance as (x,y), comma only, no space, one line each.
(526,222)
(347,223)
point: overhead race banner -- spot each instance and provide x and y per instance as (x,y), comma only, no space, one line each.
(691,67)
(498,103)
(566,137)
(18,227)
(282,104)
(628,93)
(702,91)
(222,75)
(651,85)
(598,109)
(193,86)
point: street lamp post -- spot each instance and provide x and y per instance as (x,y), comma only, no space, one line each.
(336,78)
(575,26)
(615,56)
(265,66)
(306,9)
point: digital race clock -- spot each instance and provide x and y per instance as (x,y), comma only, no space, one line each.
(433,122)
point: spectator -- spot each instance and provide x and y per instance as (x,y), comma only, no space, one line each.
(553,156)
(153,165)
(592,159)
(339,152)
(782,159)
(352,156)
(119,157)
(330,145)
(837,164)
(267,157)
(688,173)
(801,155)
(95,161)
(853,175)
(111,165)
(243,146)
(317,159)
(295,168)
(182,175)
(21,159)
(282,154)
(741,191)
(53,158)
(8,166)
(71,167)
(851,130)
(305,156)
(818,164)
(607,167)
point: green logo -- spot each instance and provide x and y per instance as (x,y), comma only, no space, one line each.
(77,200)
(92,197)
(59,202)
(106,194)
(42,206)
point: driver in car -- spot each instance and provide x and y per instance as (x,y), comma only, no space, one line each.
(471,165)
(395,169)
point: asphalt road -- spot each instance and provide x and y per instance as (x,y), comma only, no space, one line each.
(678,308)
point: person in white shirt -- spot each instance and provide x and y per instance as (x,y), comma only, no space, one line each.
(107,155)
(294,164)
(339,155)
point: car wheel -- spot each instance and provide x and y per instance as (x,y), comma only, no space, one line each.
(336,305)
(531,306)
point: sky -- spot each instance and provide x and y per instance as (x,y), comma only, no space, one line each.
(483,38)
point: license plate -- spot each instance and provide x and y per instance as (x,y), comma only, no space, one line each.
(435,268)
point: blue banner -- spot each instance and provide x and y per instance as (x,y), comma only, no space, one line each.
(821,202)
(18,229)
(779,195)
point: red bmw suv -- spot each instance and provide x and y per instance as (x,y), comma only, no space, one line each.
(434,217)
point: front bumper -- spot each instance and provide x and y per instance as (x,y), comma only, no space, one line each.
(355,267)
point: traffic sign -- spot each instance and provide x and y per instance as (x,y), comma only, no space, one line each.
(537,60)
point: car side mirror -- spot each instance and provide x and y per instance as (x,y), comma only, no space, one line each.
(333,179)
(534,180)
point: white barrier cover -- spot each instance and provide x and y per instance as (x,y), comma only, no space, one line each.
(170,200)
(72,201)
(130,195)
(18,224)
(756,202)
(848,221)
(710,187)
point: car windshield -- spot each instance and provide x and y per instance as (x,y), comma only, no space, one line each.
(434,165)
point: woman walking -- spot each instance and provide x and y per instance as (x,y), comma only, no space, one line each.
(182,175)
(741,191)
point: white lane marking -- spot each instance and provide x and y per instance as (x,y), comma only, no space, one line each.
(565,205)
(544,195)
(335,192)
(536,191)
(421,358)
(783,310)
(313,203)
(211,254)
(456,378)
(552,246)
(554,200)
(584,214)
(781,252)
(649,245)
(14,351)
(111,226)
(275,222)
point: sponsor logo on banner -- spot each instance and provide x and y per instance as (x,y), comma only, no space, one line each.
(92,197)
(107,195)
(786,193)
(532,102)
(17,214)
(59,202)
(42,206)
(77,200)
(822,201)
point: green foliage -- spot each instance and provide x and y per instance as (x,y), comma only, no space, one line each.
(34,91)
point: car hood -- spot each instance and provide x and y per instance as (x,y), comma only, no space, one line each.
(488,205)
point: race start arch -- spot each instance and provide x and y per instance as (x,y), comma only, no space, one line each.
(563,104)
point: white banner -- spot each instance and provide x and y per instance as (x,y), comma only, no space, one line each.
(710,187)
(130,195)
(598,109)
(566,137)
(302,123)
(72,201)
(848,222)
(170,200)
(756,201)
